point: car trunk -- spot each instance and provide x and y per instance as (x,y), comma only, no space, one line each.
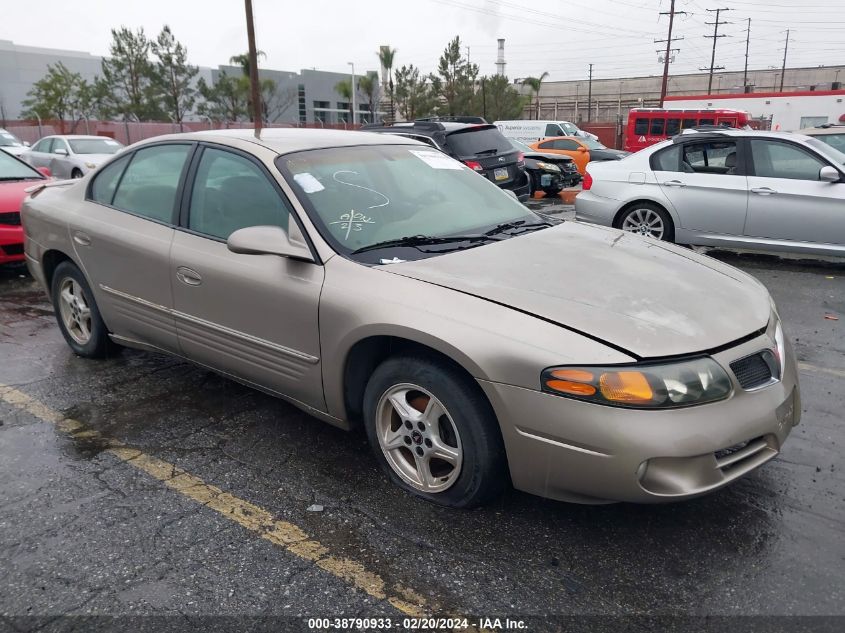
(485,145)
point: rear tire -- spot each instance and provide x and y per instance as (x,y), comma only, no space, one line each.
(76,173)
(647,219)
(77,313)
(433,432)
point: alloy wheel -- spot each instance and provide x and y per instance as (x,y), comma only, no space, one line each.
(418,437)
(75,311)
(644,222)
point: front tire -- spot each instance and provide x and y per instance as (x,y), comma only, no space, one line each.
(77,313)
(649,220)
(433,432)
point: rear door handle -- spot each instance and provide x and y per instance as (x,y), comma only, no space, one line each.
(81,238)
(675,183)
(188,276)
(763,191)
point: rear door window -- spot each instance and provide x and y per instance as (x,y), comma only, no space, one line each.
(150,183)
(479,140)
(714,157)
(44,145)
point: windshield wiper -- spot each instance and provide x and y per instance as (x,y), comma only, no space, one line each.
(515,224)
(10,178)
(424,240)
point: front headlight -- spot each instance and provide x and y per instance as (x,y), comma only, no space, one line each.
(642,386)
(548,167)
(91,165)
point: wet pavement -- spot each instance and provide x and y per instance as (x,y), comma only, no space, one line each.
(84,531)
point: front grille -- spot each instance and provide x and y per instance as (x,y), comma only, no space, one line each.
(755,370)
(13,249)
(742,455)
(12,218)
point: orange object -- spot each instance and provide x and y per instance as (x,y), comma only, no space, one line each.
(626,386)
(570,146)
(578,375)
(575,388)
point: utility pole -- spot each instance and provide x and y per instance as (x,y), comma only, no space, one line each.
(783,69)
(253,70)
(590,95)
(669,39)
(468,62)
(747,42)
(715,37)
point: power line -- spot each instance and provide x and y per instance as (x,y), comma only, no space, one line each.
(715,37)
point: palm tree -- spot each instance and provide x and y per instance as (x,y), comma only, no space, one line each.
(242,60)
(385,56)
(344,89)
(368,84)
(534,84)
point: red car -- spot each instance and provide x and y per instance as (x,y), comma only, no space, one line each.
(15,178)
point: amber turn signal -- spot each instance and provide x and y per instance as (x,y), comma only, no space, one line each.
(574,388)
(626,386)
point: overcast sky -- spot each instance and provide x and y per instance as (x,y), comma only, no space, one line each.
(558,36)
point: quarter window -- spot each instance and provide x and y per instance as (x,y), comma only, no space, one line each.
(667,159)
(231,192)
(566,144)
(783,160)
(149,185)
(641,127)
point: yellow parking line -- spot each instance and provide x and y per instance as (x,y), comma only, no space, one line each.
(257,520)
(821,370)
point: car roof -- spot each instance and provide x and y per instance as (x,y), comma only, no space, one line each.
(691,135)
(77,137)
(820,131)
(286,140)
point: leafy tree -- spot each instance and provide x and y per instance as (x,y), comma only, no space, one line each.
(415,96)
(496,99)
(242,60)
(60,94)
(534,84)
(386,56)
(174,75)
(368,85)
(130,75)
(455,80)
(275,100)
(225,100)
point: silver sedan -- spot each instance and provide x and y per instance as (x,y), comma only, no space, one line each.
(71,156)
(765,191)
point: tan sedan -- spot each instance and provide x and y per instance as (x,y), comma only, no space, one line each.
(375,282)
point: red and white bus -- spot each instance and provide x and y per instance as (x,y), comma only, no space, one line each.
(647,126)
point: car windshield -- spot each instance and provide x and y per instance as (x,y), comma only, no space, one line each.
(479,140)
(94,146)
(570,129)
(9,140)
(365,195)
(827,150)
(13,169)
(592,144)
(836,141)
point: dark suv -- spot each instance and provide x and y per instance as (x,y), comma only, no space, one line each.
(480,147)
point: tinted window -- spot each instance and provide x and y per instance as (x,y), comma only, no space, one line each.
(565,144)
(706,121)
(782,160)
(710,158)
(673,126)
(641,126)
(44,145)
(105,182)
(667,159)
(688,123)
(657,127)
(148,187)
(231,193)
(478,140)
(553,129)
(546,145)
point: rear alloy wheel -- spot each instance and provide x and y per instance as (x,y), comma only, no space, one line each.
(648,220)
(77,313)
(433,432)
(76,173)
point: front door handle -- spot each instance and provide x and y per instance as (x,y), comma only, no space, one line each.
(675,183)
(188,276)
(763,191)
(83,239)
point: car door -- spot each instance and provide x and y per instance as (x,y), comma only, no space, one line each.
(788,201)
(59,162)
(123,235)
(41,153)
(706,184)
(251,316)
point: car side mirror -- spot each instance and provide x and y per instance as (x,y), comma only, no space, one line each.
(60,151)
(829,174)
(582,149)
(269,240)
(44,171)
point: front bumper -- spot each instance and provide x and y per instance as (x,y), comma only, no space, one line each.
(577,451)
(592,208)
(11,244)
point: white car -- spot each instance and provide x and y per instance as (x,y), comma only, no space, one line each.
(530,131)
(11,144)
(769,191)
(71,156)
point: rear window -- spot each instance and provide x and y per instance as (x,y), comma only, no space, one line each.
(481,140)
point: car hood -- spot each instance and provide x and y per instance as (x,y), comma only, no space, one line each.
(14,150)
(13,192)
(645,297)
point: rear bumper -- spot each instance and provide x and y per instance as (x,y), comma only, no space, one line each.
(11,244)
(576,451)
(592,208)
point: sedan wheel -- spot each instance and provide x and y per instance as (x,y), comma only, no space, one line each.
(76,173)
(418,438)
(74,310)
(648,220)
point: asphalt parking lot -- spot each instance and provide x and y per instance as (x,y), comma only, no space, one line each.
(142,485)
